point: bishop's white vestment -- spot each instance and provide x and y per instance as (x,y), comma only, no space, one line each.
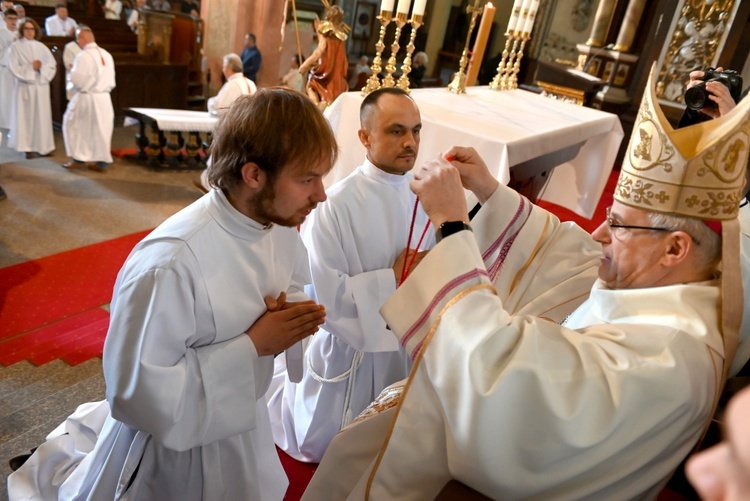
(185,384)
(517,406)
(88,121)
(31,115)
(743,350)
(237,85)
(6,79)
(353,238)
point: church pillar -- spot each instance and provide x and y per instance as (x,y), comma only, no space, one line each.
(227,22)
(630,25)
(440,12)
(602,20)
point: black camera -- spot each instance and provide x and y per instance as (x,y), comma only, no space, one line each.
(696,97)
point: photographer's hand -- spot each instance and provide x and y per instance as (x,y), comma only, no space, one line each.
(719,94)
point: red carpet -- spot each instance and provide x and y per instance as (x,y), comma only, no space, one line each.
(51,307)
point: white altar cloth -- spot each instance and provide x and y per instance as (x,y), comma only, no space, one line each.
(179,120)
(506,128)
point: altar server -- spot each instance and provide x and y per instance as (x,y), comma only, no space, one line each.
(7,37)
(88,121)
(199,310)
(33,67)
(603,406)
(236,85)
(60,24)
(357,241)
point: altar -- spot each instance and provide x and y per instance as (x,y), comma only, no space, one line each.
(546,149)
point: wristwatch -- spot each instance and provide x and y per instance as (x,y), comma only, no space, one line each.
(449,228)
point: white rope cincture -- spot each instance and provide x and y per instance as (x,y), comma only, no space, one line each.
(350,374)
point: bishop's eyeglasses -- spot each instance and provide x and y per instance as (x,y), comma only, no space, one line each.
(619,231)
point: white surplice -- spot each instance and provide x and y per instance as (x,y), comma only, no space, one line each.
(71,50)
(604,406)
(88,121)
(31,115)
(55,26)
(353,239)
(185,384)
(237,85)
(6,79)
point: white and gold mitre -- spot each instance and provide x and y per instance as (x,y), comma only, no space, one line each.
(695,171)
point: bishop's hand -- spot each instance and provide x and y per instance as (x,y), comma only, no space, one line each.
(437,183)
(475,176)
(285,323)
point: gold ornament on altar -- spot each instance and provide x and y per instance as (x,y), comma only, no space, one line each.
(458,84)
(521,23)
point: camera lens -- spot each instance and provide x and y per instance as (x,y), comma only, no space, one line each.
(696,97)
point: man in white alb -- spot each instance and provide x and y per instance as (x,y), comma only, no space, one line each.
(604,405)
(199,310)
(236,85)
(112,9)
(88,121)
(60,24)
(33,67)
(357,241)
(7,37)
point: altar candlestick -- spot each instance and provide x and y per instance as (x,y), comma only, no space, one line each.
(418,9)
(387,5)
(480,44)
(514,14)
(530,17)
(403,6)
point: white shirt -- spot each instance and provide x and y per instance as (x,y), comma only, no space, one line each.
(112,9)
(54,26)
(237,85)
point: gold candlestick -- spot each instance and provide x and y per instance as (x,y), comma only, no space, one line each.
(512,82)
(495,84)
(403,81)
(390,68)
(458,85)
(373,83)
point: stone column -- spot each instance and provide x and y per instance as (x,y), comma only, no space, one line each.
(602,20)
(440,12)
(630,25)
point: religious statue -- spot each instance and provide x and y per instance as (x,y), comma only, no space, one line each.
(328,79)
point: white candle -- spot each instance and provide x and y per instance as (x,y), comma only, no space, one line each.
(524,12)
(387,5)
(403,6)
(514,16)
(531,17)
(419,6)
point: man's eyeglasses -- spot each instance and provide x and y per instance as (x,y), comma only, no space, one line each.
(618,230)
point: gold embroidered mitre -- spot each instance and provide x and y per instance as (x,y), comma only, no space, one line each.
(695,171)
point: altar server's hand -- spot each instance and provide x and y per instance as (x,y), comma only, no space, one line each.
(278,329)
(475,175)
(437,183)
(36,64)
(398,266)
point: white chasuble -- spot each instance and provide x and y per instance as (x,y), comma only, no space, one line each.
(185,384)
(31,116)
(520,407)
(353,239)
(89,118)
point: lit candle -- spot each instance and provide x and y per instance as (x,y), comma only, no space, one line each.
(419,6)
(477,54)
(531,17)
(403,6)
(387,6)
(514,16)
